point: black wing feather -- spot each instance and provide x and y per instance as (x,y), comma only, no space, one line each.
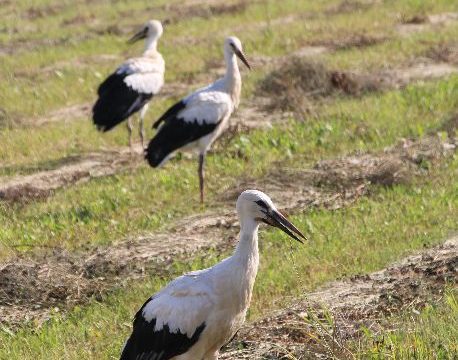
(145,343)
(116,102)
(172,112)
(174,134)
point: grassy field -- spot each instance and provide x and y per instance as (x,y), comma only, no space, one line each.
(427,335)
(54,54)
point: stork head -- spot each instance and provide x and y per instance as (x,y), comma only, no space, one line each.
(232,45)
(152,29)
(256,205)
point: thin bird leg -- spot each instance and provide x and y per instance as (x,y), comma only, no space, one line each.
(201,177)
(141,127)
(129,130)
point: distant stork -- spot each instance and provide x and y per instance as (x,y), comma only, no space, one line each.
(197,120)
(196,314)
(132,85)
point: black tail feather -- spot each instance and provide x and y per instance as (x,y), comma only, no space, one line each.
(157,151)
(174,134)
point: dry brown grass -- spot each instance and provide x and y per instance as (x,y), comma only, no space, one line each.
(300,82)
(415,19)
(320,325)
(444,52)
(31,287)
(450,126)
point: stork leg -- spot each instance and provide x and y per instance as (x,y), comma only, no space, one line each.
(129,130)
(141,129)
(201,177)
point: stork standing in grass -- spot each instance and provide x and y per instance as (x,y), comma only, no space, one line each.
(196,314)
(197,120)
(133,84)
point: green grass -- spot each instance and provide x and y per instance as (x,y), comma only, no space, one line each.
(77,59)
(40,78)
(107,209)
(431,334)
(358,239)
(56,90)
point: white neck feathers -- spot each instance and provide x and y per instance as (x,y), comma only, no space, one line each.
(150,46)
(246,256)
(232,78)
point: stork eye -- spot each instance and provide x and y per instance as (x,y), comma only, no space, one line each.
(262,204)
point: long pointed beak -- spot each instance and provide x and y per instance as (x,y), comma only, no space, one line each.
(276,219)
(138,36)
(242,57)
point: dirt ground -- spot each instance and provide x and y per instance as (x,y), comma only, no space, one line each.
(303,330)
(41,184)
(34,288)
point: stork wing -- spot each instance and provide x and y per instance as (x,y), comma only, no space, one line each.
(127,90)
(144,75)
(187,121)
(170,322)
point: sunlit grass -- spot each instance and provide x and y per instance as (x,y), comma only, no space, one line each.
(75,58)
(104,210)
(430,334)
(60,60)
(358,239)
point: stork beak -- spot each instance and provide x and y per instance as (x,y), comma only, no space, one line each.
(242,57)
(278,220)
(138,36)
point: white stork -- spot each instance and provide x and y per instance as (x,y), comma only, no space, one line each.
(196,314)
(132,85)
(197,120)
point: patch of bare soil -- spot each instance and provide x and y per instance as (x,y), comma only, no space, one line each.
(41,184)
(206,10)
(352,41)
(37,12)
(350,6)
(301,83)
(32,288)
(339,181)
(78,20)
(318,326)
(63,114)
(444,52)
(450,126)
(423,70)
(298,81)
(422,22)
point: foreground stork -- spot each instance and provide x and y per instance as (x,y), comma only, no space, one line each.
(199,312)
(132,85)
(198,120)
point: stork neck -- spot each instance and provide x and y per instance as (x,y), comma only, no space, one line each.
(248,244)
(150,46)
(232,79)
